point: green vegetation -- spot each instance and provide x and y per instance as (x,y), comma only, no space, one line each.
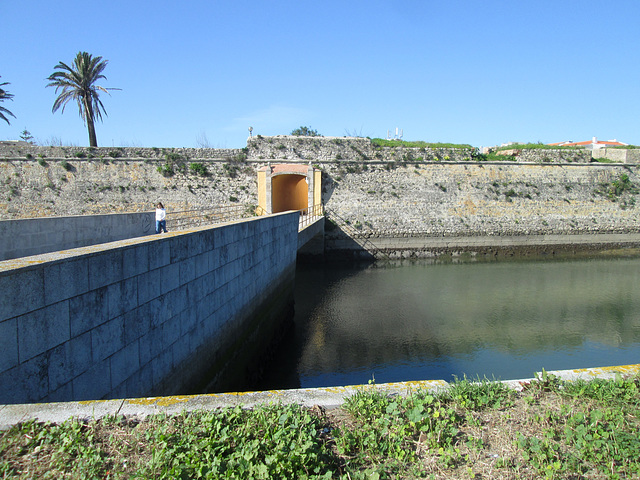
(491,157)
(475,429)
(66,165)
(199,169)
(4,95)
(166,170)
(77,83)
(380,142)
(305,132)
(621,190)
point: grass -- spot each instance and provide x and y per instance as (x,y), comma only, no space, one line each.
(380,142)
(475,429)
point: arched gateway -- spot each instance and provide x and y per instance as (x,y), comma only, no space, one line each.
(286,187)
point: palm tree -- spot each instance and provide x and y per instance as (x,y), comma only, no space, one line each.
(4,95)
(78,83)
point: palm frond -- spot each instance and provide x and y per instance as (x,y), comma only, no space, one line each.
(78,83)
(4,95)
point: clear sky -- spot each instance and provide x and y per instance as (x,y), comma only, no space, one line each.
(459,71)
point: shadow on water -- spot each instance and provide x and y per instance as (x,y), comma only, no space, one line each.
(399,321)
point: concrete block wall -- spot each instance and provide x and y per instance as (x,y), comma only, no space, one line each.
(120,319)
(33,236)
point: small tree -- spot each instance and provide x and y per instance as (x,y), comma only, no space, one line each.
(4,95)
(305,132)
(26,136)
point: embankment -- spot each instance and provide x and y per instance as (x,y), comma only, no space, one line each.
(383,194)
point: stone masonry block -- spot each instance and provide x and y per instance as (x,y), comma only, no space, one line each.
(9,336)
(196,244)
(177,299)
(62,394)
(169,277)
(88,311)
(187,270)
(196,290)
(147,347)
(136,323)
(187,320)
(208,240)
(179,248)
(161,366)
(135,260)
(233,251)
(170,331)
(213,259)
(202,264)
(65,279)
(159,253)
(42,330)
(26,383)
(124,363)
(148,286)
(107,339)
(223,254)
(21,291)
(140,383)
(105,268)
(94,384)
(181,350)
(69,360)
(156,316)
(122,297)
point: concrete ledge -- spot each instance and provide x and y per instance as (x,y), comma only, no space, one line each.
(329,397)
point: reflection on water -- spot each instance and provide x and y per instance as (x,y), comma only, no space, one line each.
(431,321)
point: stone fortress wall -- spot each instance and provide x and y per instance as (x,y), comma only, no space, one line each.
(145,316)
(382,192)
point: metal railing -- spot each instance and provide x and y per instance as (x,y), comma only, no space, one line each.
(355,234)
(310,215)
(208,216)
(225,213)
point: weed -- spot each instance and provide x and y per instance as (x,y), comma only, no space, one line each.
(480,394)
(166,170)
(199,169)
(66,165)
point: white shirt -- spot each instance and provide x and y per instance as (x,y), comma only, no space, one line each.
(160,214)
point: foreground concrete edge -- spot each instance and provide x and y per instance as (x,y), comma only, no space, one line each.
(328,397)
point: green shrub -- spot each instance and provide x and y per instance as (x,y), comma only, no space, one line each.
(199,169)
(66,165)
(166,170)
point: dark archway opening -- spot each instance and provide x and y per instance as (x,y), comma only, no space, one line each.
(289,192)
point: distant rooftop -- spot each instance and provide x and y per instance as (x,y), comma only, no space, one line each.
(594,143)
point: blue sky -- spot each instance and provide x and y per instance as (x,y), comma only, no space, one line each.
(460,71)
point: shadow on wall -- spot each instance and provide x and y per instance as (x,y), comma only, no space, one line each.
(328,186)
(343,244)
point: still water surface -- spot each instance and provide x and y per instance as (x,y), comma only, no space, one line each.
(423,321)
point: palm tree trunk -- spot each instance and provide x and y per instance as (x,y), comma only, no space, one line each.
(93,141)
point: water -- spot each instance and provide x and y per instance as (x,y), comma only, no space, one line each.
(421,321)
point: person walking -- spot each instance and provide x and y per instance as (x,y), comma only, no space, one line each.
(161,216)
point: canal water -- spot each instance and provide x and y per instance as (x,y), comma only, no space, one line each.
(420,321)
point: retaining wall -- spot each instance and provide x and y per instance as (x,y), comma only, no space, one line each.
(143,316)
(33,236)
(475,200)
